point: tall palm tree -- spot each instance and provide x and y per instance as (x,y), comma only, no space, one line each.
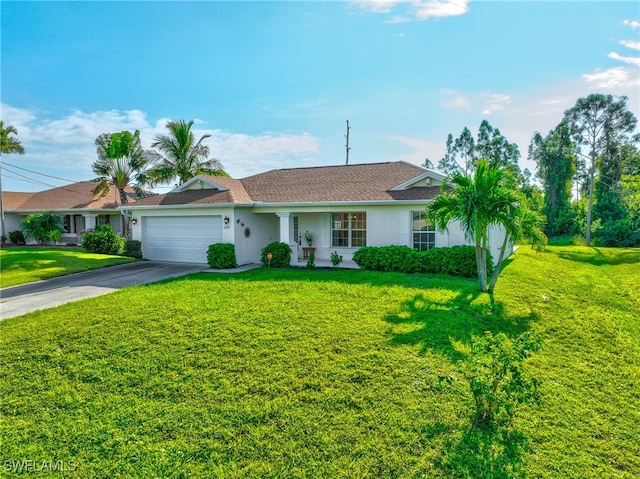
(479,202)
(8,145)
(121,162)
(182,156)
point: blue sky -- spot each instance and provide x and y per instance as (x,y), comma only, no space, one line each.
(274,82)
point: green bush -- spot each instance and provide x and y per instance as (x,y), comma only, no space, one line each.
(400,259)
(454,261)
(618,233)
(17,237)
(133,249)
(281,254)
(222,256)
(311,261)
(103,240)
(336,259)
(496,377)
(41,226)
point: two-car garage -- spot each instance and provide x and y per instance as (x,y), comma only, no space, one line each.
(182,239)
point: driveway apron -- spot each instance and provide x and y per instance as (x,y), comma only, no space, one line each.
(22,299)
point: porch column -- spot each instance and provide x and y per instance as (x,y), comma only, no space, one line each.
(285,234)
(89,221)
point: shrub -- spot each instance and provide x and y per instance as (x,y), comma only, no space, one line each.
(54,236)
(103,240)
(388,258)
(133,249)
(17,237)
(618,233)
(454,261)
(336,259)
(311,261)
(496,377)
(280,254)
(39,226)
(221,256)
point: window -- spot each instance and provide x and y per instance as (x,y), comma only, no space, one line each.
(67,223)
(78,221)
(424,232)
(102,220)
(296,231)
(349,230)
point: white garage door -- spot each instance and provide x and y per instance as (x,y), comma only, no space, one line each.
(182,239)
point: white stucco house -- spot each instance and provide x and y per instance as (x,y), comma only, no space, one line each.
(76,205)
(342,207)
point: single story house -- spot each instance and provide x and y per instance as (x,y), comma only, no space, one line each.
(341,207)
(77,206)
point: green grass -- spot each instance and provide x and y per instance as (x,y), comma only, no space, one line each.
(31,263)
(312,374)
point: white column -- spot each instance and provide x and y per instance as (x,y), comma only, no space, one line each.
(285,234)
(89,221)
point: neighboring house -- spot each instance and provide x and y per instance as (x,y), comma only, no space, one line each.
(343,207)
(77,206)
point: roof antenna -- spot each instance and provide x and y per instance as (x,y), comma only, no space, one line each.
(347,145)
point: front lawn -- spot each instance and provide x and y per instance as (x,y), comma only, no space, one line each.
(19,265)
(324,374)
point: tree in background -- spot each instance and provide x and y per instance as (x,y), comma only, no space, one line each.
(602,124)
(183,157)
(463,152)
(8,145)
(555,160)
(486,199)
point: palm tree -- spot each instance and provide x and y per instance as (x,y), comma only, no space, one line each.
(182,156)
(478,202)
(8,145)
(121,163)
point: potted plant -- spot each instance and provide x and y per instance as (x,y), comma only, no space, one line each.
(308,237)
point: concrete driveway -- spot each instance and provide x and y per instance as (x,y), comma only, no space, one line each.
(22,299)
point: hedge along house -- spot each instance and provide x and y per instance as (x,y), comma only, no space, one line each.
(342,207)
(76,205)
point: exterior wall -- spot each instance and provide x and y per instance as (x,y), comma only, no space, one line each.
(11,223)
(263,229)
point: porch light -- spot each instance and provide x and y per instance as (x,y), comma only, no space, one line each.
(134,221)
(226,220)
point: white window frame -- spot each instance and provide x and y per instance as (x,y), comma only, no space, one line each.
(353,220)
(426,237)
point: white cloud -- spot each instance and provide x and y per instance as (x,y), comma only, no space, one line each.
(632,45)
(377,6)
(65,146)
(611,78)
(415,9)
(495,102)
(455,100)
(632,23)
(628,60)
(424,10)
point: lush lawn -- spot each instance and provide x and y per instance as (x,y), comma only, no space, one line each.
(32,263)
(283,373)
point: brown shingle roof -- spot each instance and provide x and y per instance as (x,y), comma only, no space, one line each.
(12,200)
(324,184)
(364,182)
(74,196)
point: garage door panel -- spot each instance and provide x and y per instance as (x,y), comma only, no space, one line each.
(180,238)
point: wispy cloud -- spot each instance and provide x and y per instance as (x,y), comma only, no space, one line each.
(424,10)
(415,9)
(632,45)
(628,60)
(612,78)
(67,143)
(632,23)
(495,102)
(455,100)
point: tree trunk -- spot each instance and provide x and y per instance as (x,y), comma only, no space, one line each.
(125,220)
(592,171)
(496,271)
(481,264)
